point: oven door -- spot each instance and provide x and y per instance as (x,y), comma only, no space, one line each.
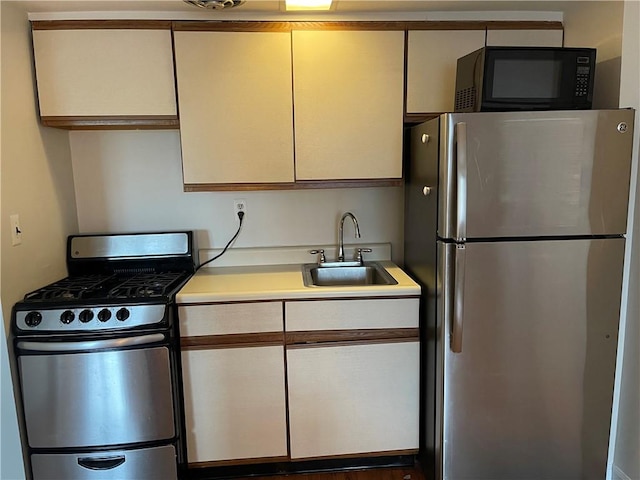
(96,393)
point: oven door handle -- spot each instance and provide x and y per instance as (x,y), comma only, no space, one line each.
(91,344)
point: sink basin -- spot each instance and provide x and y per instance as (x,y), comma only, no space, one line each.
(368,274)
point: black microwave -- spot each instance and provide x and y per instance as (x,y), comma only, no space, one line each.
(494,79)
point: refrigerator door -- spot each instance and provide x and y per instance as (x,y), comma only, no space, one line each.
(532,174)
(529,367)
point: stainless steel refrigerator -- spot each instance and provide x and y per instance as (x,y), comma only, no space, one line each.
(514,227)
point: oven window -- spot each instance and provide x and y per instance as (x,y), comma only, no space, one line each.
(526,78)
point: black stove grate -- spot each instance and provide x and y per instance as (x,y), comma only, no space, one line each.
(71,288)
(146,285)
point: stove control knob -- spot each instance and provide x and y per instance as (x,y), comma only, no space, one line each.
(33,319)
(122,314)
(104,315)
(67,317)
(86,316)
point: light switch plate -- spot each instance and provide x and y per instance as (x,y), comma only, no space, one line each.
(16,231)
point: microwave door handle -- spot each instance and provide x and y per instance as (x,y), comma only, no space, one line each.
(461,182)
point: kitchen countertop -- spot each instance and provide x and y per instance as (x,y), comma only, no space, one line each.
(280,282)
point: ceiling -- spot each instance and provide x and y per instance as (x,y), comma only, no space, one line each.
(275,7)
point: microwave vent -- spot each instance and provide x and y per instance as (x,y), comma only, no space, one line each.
(465,99)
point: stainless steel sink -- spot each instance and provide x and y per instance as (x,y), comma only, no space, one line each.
(369,274)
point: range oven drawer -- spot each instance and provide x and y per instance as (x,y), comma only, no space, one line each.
(140,464)
(99,398)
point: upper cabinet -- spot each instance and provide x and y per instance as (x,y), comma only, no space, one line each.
(236,110)
(242,96)
(431,66)
(348,97)
(525,38)
(105,78)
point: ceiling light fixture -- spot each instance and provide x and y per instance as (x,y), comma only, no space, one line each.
(215,4)
(306,5)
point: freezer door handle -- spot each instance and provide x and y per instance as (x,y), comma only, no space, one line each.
(461,182)
(458,299)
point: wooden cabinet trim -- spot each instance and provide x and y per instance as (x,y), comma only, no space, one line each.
(240,461)
(266,26)
(351,337)
(298,185)
(232,340)
(113,123)
(101,24)
(385,453)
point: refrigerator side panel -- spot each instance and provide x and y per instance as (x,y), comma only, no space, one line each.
(421,199)
(529,395)
(533,174)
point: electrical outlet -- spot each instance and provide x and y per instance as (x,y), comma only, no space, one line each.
(16,231)
(240,205)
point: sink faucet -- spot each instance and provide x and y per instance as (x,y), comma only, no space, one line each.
(341,237)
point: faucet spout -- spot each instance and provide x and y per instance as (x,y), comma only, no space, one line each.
(341,233)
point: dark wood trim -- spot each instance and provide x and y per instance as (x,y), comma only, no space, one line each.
(229,340)
(267,26)
(101,24)
(116,122)
(359,455)
(360,336)
(242,461)
(298,185)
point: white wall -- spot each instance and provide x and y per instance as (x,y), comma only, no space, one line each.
(626,431)
(597,24)
(37,182)
(132,181)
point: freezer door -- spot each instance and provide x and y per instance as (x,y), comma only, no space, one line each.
(528,383)
(531,174)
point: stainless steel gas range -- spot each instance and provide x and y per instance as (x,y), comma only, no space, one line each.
(97,355)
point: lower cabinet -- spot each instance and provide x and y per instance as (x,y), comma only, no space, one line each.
(233,382)
(273,381)
(351,399)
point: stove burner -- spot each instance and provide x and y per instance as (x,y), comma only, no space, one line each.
(70,288)
(145,285)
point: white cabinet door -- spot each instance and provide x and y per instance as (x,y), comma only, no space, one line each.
(525,38)
(234,403)
(348,97)
(236,113)
(431,67)
(352,399)
(95,72)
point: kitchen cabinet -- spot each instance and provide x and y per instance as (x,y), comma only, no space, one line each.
(348,97)
(431,67)
(105,78)
(525,38)
(233,382)
(236,110)
(353,376)
(237,93)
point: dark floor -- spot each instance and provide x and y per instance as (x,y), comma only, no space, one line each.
(395,473)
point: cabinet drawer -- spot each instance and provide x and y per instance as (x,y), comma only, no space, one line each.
(222,319)
(351,314)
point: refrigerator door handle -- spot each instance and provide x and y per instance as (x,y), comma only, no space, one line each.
(461,182)
(458,299)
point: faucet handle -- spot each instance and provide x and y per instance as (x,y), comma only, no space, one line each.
(321,252)
(360,252)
